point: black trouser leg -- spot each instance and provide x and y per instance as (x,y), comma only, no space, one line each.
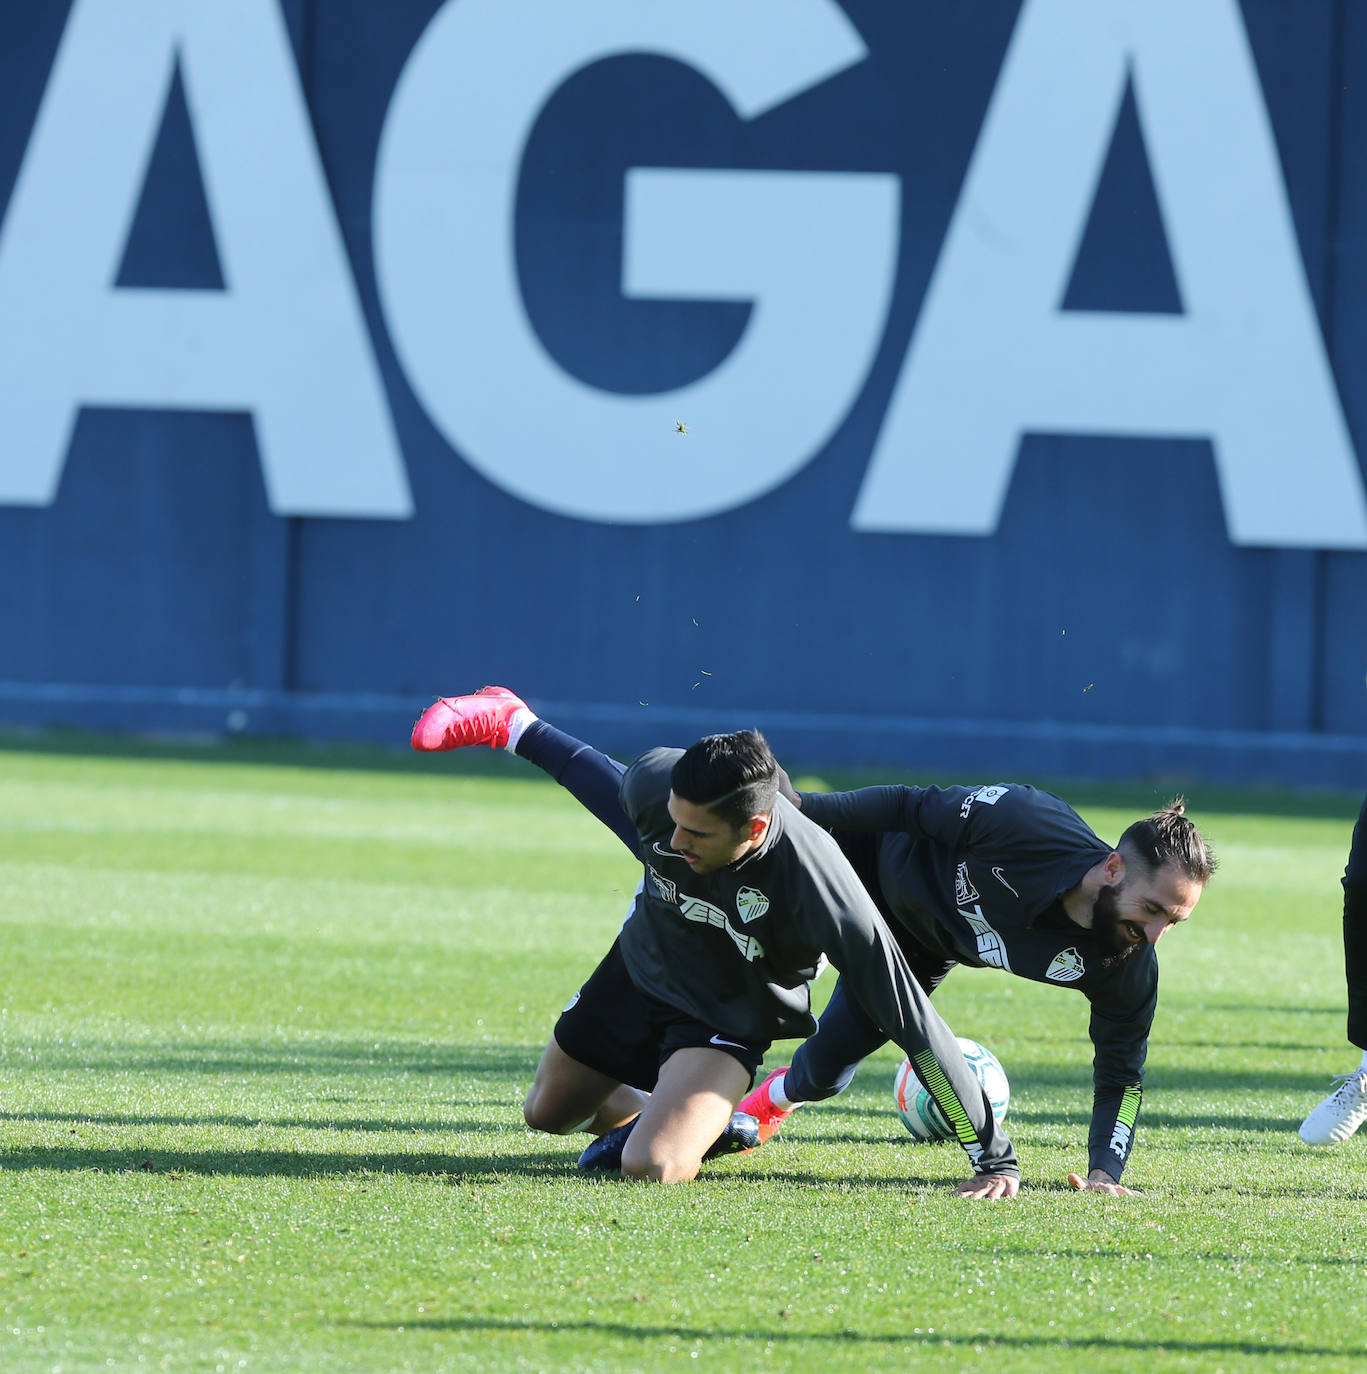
(824,1064)
(593,779)
(1355,932)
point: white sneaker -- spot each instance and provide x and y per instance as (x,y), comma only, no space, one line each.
(1340,1114)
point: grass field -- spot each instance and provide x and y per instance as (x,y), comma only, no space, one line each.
(265,1023)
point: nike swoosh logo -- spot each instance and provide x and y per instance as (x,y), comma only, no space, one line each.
(668,853)
(735,1044)
(997,874)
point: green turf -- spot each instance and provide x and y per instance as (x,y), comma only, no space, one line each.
(267,1016)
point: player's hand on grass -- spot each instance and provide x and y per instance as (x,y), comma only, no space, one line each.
(1099,1181)
(989,1187)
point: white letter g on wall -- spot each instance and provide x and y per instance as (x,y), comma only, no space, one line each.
(814,252)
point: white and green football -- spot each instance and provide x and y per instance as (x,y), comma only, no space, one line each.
(919,1111)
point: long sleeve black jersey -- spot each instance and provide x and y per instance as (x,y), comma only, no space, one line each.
(738,948)
(976,875)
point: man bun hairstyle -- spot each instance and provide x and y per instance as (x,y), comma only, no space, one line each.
(1167,837)
(734,776)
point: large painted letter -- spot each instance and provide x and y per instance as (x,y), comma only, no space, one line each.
(994,355)
(814,252)
(285,340)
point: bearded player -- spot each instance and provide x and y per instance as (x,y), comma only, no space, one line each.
(1011,878)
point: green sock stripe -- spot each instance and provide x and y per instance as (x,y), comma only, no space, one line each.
(940,1088)
(1129,1107)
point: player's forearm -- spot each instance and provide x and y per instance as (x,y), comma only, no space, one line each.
(1115,1116)
(902,1008)
(876,974)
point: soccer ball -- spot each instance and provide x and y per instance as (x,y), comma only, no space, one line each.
(919,1111)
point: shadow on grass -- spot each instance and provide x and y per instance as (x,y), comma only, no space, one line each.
(332,1057)
(1278,1133)
(927,1154)
(369,1126)
(288,1164)
(938,1342)
(549,1167)
(1023,1115)
(1151,1120)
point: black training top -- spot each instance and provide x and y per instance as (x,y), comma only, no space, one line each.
(737,949)
(976,875)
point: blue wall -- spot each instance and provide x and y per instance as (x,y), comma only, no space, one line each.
(1109,625)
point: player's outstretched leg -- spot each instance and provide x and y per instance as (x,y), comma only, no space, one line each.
(497,717)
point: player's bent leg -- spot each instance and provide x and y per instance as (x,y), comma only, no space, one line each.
(825,1063)
(568,1096)
(823,1066)
(691,1107)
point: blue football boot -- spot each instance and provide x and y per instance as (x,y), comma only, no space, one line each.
(606,1152)
(741,1134)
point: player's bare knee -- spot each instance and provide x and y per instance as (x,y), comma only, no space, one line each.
(651,1166)
(538,1118)
(542,1113)
(655,1171)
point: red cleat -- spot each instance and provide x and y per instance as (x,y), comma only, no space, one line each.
(759,1105)
(454,722)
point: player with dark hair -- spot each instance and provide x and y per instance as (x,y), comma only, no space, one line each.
(1345,1109)
(741,898)
(1008,877)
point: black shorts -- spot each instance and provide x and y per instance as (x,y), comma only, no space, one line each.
(614,1027)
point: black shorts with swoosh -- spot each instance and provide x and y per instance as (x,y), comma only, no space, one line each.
(614,1027)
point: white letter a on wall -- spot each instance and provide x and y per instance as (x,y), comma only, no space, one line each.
(994,355)
(286,338)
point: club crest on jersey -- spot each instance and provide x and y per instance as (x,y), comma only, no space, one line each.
(988,796)
(964,891)
(751,905)
(1066,966)
(669,891)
